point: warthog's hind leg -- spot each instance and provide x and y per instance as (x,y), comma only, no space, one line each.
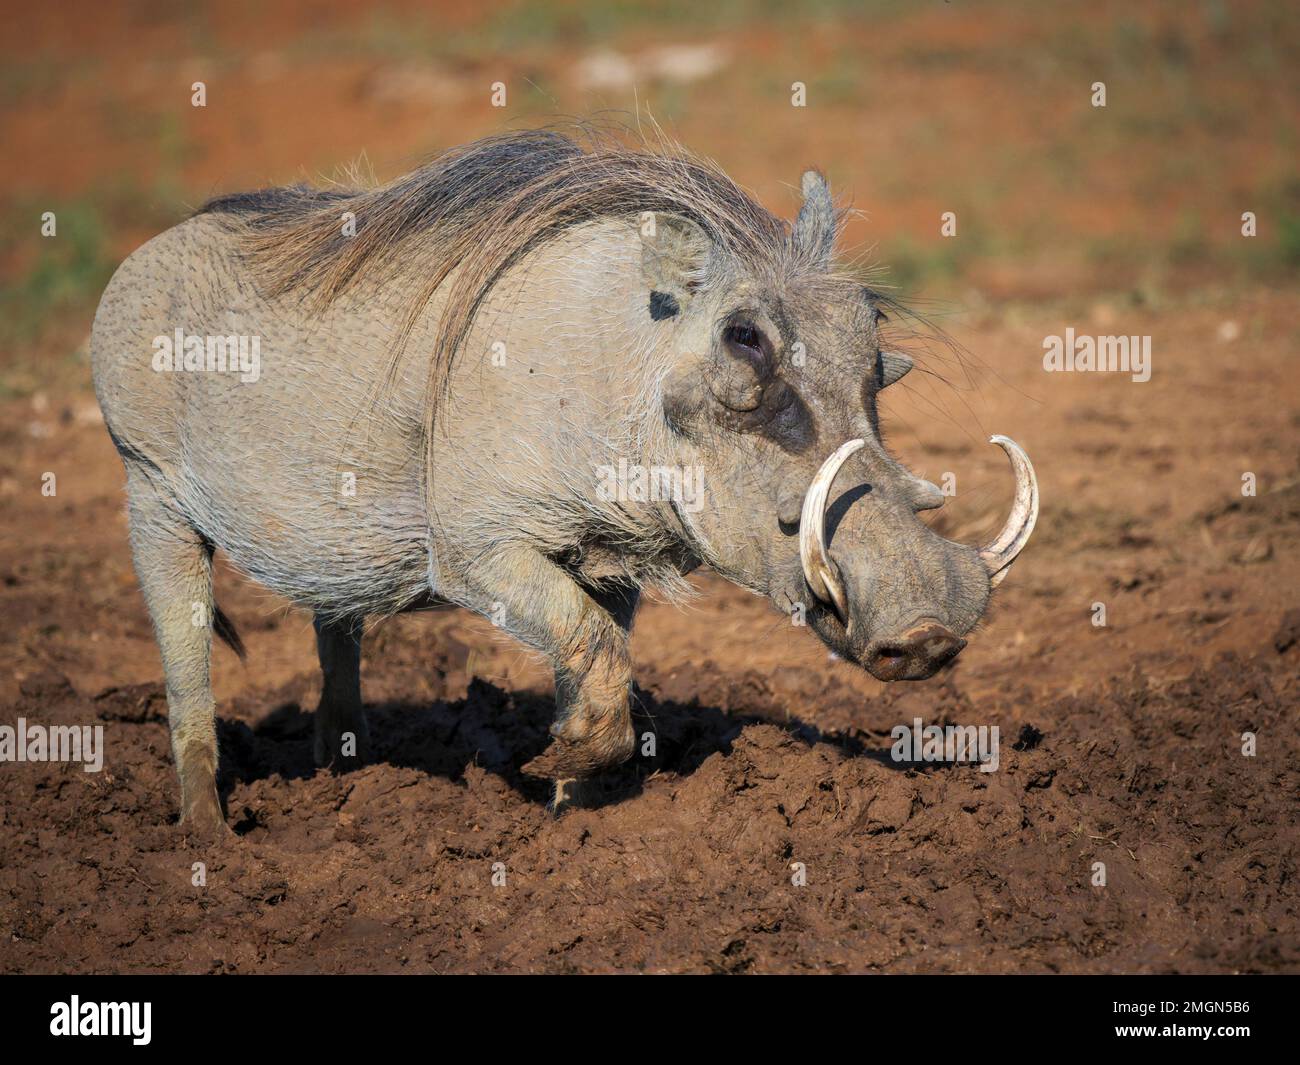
(342,739)
(174,566)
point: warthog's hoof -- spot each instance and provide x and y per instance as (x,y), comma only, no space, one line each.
(201,816)
(204,822)
(557,762)
(568,761)
(571,756)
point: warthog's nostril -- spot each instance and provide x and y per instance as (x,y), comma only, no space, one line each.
(915,655)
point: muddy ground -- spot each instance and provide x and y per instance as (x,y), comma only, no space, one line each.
(1121,744)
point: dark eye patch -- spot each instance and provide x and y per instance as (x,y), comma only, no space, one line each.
(782,417)
(790,422)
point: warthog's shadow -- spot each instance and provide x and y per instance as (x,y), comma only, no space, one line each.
(500,731)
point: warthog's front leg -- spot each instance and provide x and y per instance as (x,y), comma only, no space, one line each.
(586,638)
(620,601)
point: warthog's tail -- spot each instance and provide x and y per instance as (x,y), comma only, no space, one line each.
(225,632)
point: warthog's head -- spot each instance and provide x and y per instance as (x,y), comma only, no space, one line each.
(773,391)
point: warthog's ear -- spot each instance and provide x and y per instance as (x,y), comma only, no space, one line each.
(891,367)
(674,261)
(814,229)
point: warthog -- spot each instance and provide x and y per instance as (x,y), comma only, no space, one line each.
(447,362)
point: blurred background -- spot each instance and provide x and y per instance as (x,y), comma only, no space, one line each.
(981,107)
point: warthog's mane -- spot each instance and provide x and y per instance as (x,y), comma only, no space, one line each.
(476,211)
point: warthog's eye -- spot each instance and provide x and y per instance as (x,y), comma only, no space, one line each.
(747,342)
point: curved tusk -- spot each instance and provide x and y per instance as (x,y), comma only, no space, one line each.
(818,570)
(1002,551)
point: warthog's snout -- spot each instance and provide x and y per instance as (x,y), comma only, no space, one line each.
(901,596)
(919,653)
(823,576)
